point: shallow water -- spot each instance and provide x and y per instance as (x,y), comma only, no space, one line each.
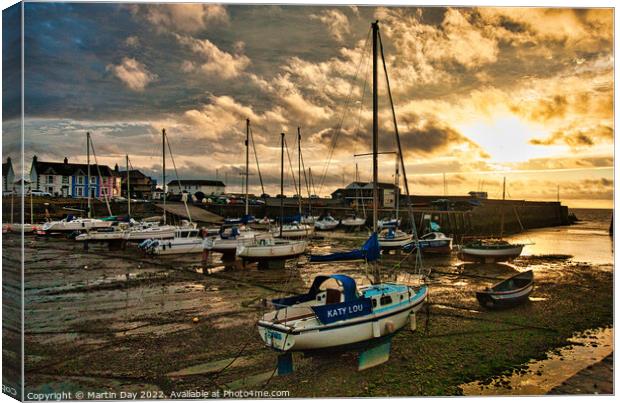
(543,375)
(586,241)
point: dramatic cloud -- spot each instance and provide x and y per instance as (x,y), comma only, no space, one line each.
(181,17)
(337,23)
(133,73)
(578,137)
(478,91)
(214,61)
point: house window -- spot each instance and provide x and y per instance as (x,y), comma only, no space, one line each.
(80,192)
(50,189)
(50,178)
(65,179)
(93,179)
(80,180)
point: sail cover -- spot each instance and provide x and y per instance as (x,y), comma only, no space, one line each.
(369,251)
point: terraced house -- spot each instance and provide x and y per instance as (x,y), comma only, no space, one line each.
(71,180)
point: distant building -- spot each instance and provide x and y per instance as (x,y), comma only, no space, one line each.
(479,195)
(8,175)
(140,185)
(208,187)
(356,193)
(69,179)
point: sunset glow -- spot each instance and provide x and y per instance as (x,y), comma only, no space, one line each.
(480,93)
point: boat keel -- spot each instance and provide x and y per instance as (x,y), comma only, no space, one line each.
(375,355)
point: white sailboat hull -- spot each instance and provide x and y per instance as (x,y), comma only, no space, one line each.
(278,250)
(353,222)
(294,232)
(161,232)
(75,225)
(25,228)
(325,225)
(180,247)
(100,236)
(396,242)
(490,255)
(340,333)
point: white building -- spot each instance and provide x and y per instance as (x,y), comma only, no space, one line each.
(8,176)
(191,186)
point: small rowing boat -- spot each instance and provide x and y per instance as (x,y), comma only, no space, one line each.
(393,238)
(490,251)
(433,242)
(509,292)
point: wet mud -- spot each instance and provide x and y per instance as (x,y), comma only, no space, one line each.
(112,321)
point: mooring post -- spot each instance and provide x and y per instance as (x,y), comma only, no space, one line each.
(86,245)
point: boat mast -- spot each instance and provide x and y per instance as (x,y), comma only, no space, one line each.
(397,189)
(128,191)
(299,166)
(163,169)
(88,172)
(282,185)
(501,230)
(375,127)
(247,164)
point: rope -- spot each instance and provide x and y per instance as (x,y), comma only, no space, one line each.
(290,163)
(105,194)
(176,173)
(260,176)
(402,161)
(344,113)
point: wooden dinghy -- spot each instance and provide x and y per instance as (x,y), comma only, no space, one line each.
(509,292)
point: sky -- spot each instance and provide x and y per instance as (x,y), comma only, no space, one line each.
(479,93)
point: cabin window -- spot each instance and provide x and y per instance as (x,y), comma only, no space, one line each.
(401,297)
(385,300)
(374,303)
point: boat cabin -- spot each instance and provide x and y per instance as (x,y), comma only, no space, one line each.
(186,233)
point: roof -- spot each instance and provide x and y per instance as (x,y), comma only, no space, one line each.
(368,185)
(68,169)
(133,173)
(199,182)
(7,166)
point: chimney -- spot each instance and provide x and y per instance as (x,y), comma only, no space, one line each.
(116,168)
(66,161)
(34,158)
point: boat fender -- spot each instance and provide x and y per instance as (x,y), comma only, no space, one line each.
(390,327)
(412,322)
(376,330)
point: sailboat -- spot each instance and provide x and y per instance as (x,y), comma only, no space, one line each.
(301,227)
(70,223)
(491,250)
(235,233)
(268,248)
(26,228)
(353,221)
(326,223)
(335,312)
(393,222)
